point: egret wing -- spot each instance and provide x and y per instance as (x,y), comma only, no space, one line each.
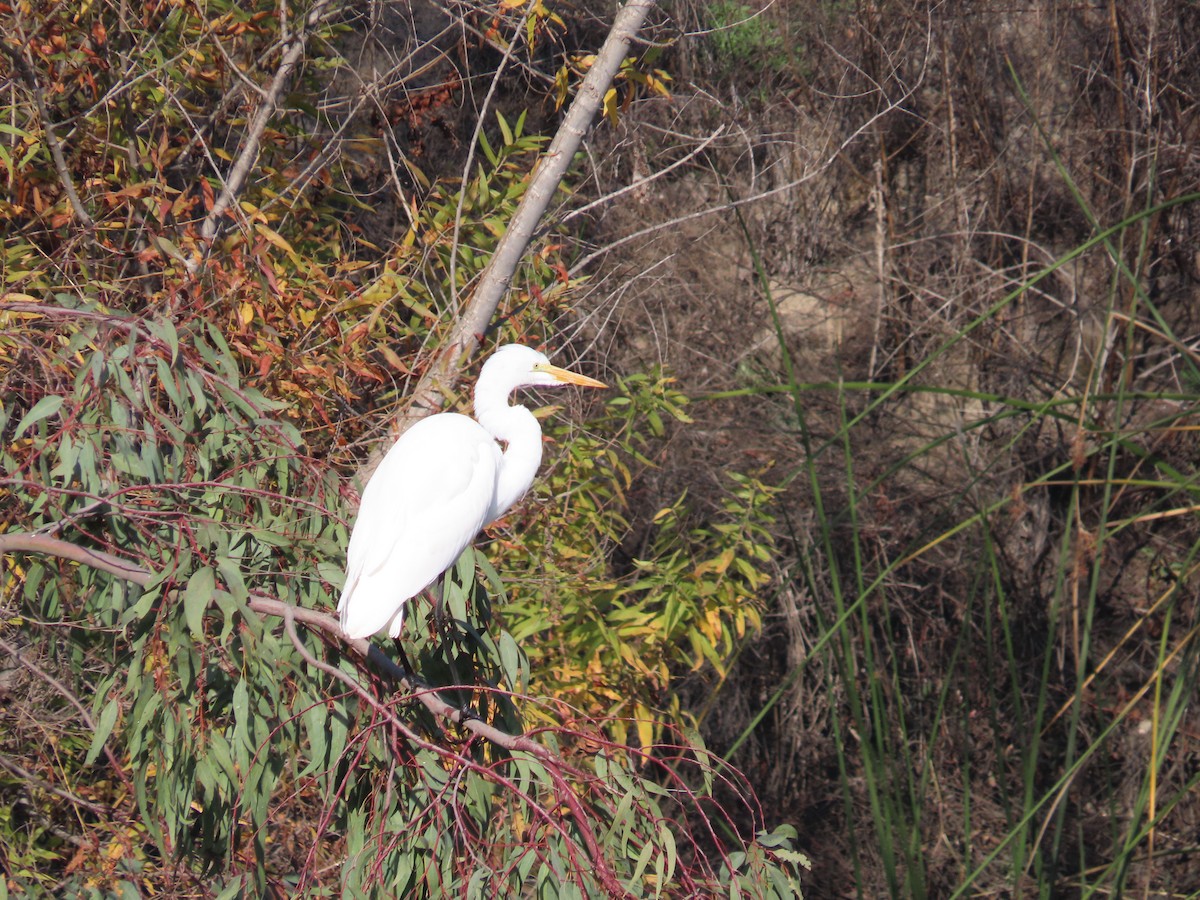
(422,507)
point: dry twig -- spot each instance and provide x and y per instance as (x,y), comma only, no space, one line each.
(25,67)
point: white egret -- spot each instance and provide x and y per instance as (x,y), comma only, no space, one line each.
(439,485)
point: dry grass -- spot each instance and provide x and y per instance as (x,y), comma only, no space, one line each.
(990,601)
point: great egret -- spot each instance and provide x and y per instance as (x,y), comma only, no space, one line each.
(439,485)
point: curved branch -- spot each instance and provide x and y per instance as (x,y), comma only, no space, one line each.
(265,605)
(96,559)
(37,781)
(317,620)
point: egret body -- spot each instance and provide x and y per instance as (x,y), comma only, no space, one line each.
(440,484)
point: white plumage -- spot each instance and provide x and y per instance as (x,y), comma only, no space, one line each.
(439,485)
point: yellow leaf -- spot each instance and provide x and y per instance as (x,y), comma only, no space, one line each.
(712,619)
(562,84)
(252,211)
(645,725)
(610,105)
(245,314)
(274,237)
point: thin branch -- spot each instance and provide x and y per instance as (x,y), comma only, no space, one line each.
(25,67)
(891,104)
(641,183)
(293,51)
(639,236)
(62,689)
(45,785)
(607,876)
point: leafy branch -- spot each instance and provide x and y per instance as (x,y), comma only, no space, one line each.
(293,51)
(29,76)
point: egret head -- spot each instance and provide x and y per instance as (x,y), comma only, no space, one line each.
(519,366)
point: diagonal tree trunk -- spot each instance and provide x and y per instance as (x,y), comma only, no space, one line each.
(444,372)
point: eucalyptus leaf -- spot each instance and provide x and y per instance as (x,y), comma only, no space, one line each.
(104,727)
(43,409)
(196,598)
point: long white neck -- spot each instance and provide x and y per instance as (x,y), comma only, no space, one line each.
(519,429)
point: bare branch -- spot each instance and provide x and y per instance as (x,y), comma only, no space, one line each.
(96,559)
(25,67)
(293,49)
(62,689)
(26,775)
(640,184)
(639,235)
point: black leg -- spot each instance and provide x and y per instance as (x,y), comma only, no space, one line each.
(447,630)
(409,671)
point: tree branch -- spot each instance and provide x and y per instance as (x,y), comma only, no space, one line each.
(293,49)
(37,781)
(25,67)
(266,605)
(70,697)
(317,620)
(443,373)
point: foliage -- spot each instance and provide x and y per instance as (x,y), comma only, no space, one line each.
(609,643)
(219,726)
(155,448)
(180,406)
(746,38)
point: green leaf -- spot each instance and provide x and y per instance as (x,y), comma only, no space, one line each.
(505,131)
(316,724)
(171,337)
(233,889)
(241,724)
(671,853)
(43,409)
(196,598)
(510,661)
(104,727)
(487,148)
